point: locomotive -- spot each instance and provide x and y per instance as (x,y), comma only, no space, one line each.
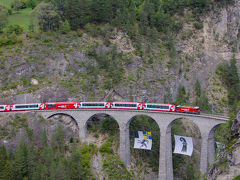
(101,105)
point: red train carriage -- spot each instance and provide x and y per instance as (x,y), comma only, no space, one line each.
(5,108)
(188,109)
(61,105)
(160,107)
(25,107)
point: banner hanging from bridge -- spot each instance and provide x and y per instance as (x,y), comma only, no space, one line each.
(143,140)
(183,145)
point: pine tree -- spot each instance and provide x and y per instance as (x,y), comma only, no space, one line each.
(77,13)
(198,88)
(20,161)
(3,160)
(8,171)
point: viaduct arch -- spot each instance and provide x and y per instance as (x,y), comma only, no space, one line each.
(206,124)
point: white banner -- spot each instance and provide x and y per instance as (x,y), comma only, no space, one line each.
(183,145)
(143,140)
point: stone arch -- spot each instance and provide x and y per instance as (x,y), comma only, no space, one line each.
(67,123)
(103,114)
(63,114)
(194,127)
(153,155)
(100,123)
(211,144)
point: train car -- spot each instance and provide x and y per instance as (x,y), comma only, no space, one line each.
(127,105)
(188,109)
(25,107)
(5,108)
(61,105)
(95,105)
(160,107)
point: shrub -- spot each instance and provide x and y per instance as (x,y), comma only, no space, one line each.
(65,28)
(106,148)
(9,39)
(18,29)
(198,25)
(237,178)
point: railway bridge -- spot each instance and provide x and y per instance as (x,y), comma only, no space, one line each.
(206,124)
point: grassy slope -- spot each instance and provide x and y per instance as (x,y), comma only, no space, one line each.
(6,3)
(22,17)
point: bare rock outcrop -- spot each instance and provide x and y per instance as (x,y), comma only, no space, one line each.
(227,165)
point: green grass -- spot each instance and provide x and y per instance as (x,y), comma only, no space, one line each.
(22,17)
(6,3)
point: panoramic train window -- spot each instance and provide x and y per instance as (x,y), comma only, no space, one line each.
(125,105)
(27,106)
(1,107)
(93,104)
(157,106)
(51,105)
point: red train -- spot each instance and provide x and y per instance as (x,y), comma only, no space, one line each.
(101,105)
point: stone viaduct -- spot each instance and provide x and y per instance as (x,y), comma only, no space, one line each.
(206,124)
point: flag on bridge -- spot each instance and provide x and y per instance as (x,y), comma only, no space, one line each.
(183,145)
(143,140)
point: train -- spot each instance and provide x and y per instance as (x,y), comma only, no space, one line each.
(101,105)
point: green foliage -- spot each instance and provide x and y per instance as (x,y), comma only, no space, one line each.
(114,168)
(3,17)
(106,147)
(17,5)
(229,76)
(198,88)
(32,162)
(198,25)
(86,154)
(48,18)
(57,140)
(15,28)
(109,125)
(31,3)
(236,178)
(65,28)
(182,96)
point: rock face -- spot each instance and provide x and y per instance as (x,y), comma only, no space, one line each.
(227,165)
(148,77)
(30,127)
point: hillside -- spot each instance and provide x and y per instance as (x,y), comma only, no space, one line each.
(182,52)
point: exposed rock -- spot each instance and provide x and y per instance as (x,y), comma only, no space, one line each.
(227,165)
(17,127)
(34,81)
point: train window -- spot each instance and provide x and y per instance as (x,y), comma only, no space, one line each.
(2,107)
(26,106)
(125,105)
(157,106)
(51,105)
(93,104)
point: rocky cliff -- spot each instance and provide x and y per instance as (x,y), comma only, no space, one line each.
(67,67)
(227,163)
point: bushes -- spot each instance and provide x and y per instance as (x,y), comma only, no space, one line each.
(9,39)
(198,25)
(229,76)
(15,28)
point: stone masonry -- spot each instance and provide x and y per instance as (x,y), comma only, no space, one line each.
(206,124)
